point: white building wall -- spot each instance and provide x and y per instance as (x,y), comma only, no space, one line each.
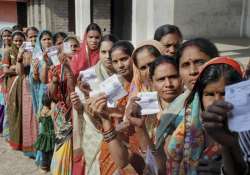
(208,18)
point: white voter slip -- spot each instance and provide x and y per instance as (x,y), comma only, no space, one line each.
(239,95)
(149,103)
(27,46)
(113,88)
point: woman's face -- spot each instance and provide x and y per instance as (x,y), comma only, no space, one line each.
(144,59)
(191,63)
(213,92)
(18,40)
(122,63)
(46,41)
(31,37)
(171,42)
(74,46)
(6,36)
(93,39)
(105,49)
(167,82)
(59,41)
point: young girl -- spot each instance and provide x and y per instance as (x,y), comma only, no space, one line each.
(46,139)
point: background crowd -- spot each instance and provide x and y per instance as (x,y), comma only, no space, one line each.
(48,110)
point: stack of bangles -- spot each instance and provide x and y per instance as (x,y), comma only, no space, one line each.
(109,135)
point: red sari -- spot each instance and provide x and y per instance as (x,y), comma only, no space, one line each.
(84,59)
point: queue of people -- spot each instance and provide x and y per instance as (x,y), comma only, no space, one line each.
(67,122)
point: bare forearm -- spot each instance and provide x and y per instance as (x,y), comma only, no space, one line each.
(117,149)
(44,74)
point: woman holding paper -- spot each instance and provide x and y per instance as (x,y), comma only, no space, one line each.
(13,84)
(29,122)
(97,160)
(235,146)
(38,75)
(60,84)
(89,49)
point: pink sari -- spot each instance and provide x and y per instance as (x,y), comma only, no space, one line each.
(84,59)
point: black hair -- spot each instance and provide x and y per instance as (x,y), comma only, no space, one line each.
(20,33)
(212,74)
(95,27)
(45,32)
(16,27)
(160,60)
(110,37)
(32,28)
(166,29)
(71,38)
(46,100)
(125,46)
(203,44)
(58,35)
(151,49)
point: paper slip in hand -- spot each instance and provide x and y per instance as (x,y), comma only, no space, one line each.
(55,60)
(52,51)
(239,95)
(88,75)
(149,103)
(80,94)
(95,93)
(27,46)
(67,48)
(113,88)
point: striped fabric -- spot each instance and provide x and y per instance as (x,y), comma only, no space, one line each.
(244,140)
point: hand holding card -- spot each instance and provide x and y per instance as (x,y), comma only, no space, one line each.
(27,46)
(113,88)
(149,103)
(90,77)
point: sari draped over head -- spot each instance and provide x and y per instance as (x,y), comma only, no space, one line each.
(137,84)
(85,58)
(37,87)
(101,71)
(189,143)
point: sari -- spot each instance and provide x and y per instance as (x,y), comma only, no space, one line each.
(101,72)
(13,89)
(84,130)
(84,59)
(61,163)
(189,142)
(137,84)
(93,160)
(29,122)
(37,89)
